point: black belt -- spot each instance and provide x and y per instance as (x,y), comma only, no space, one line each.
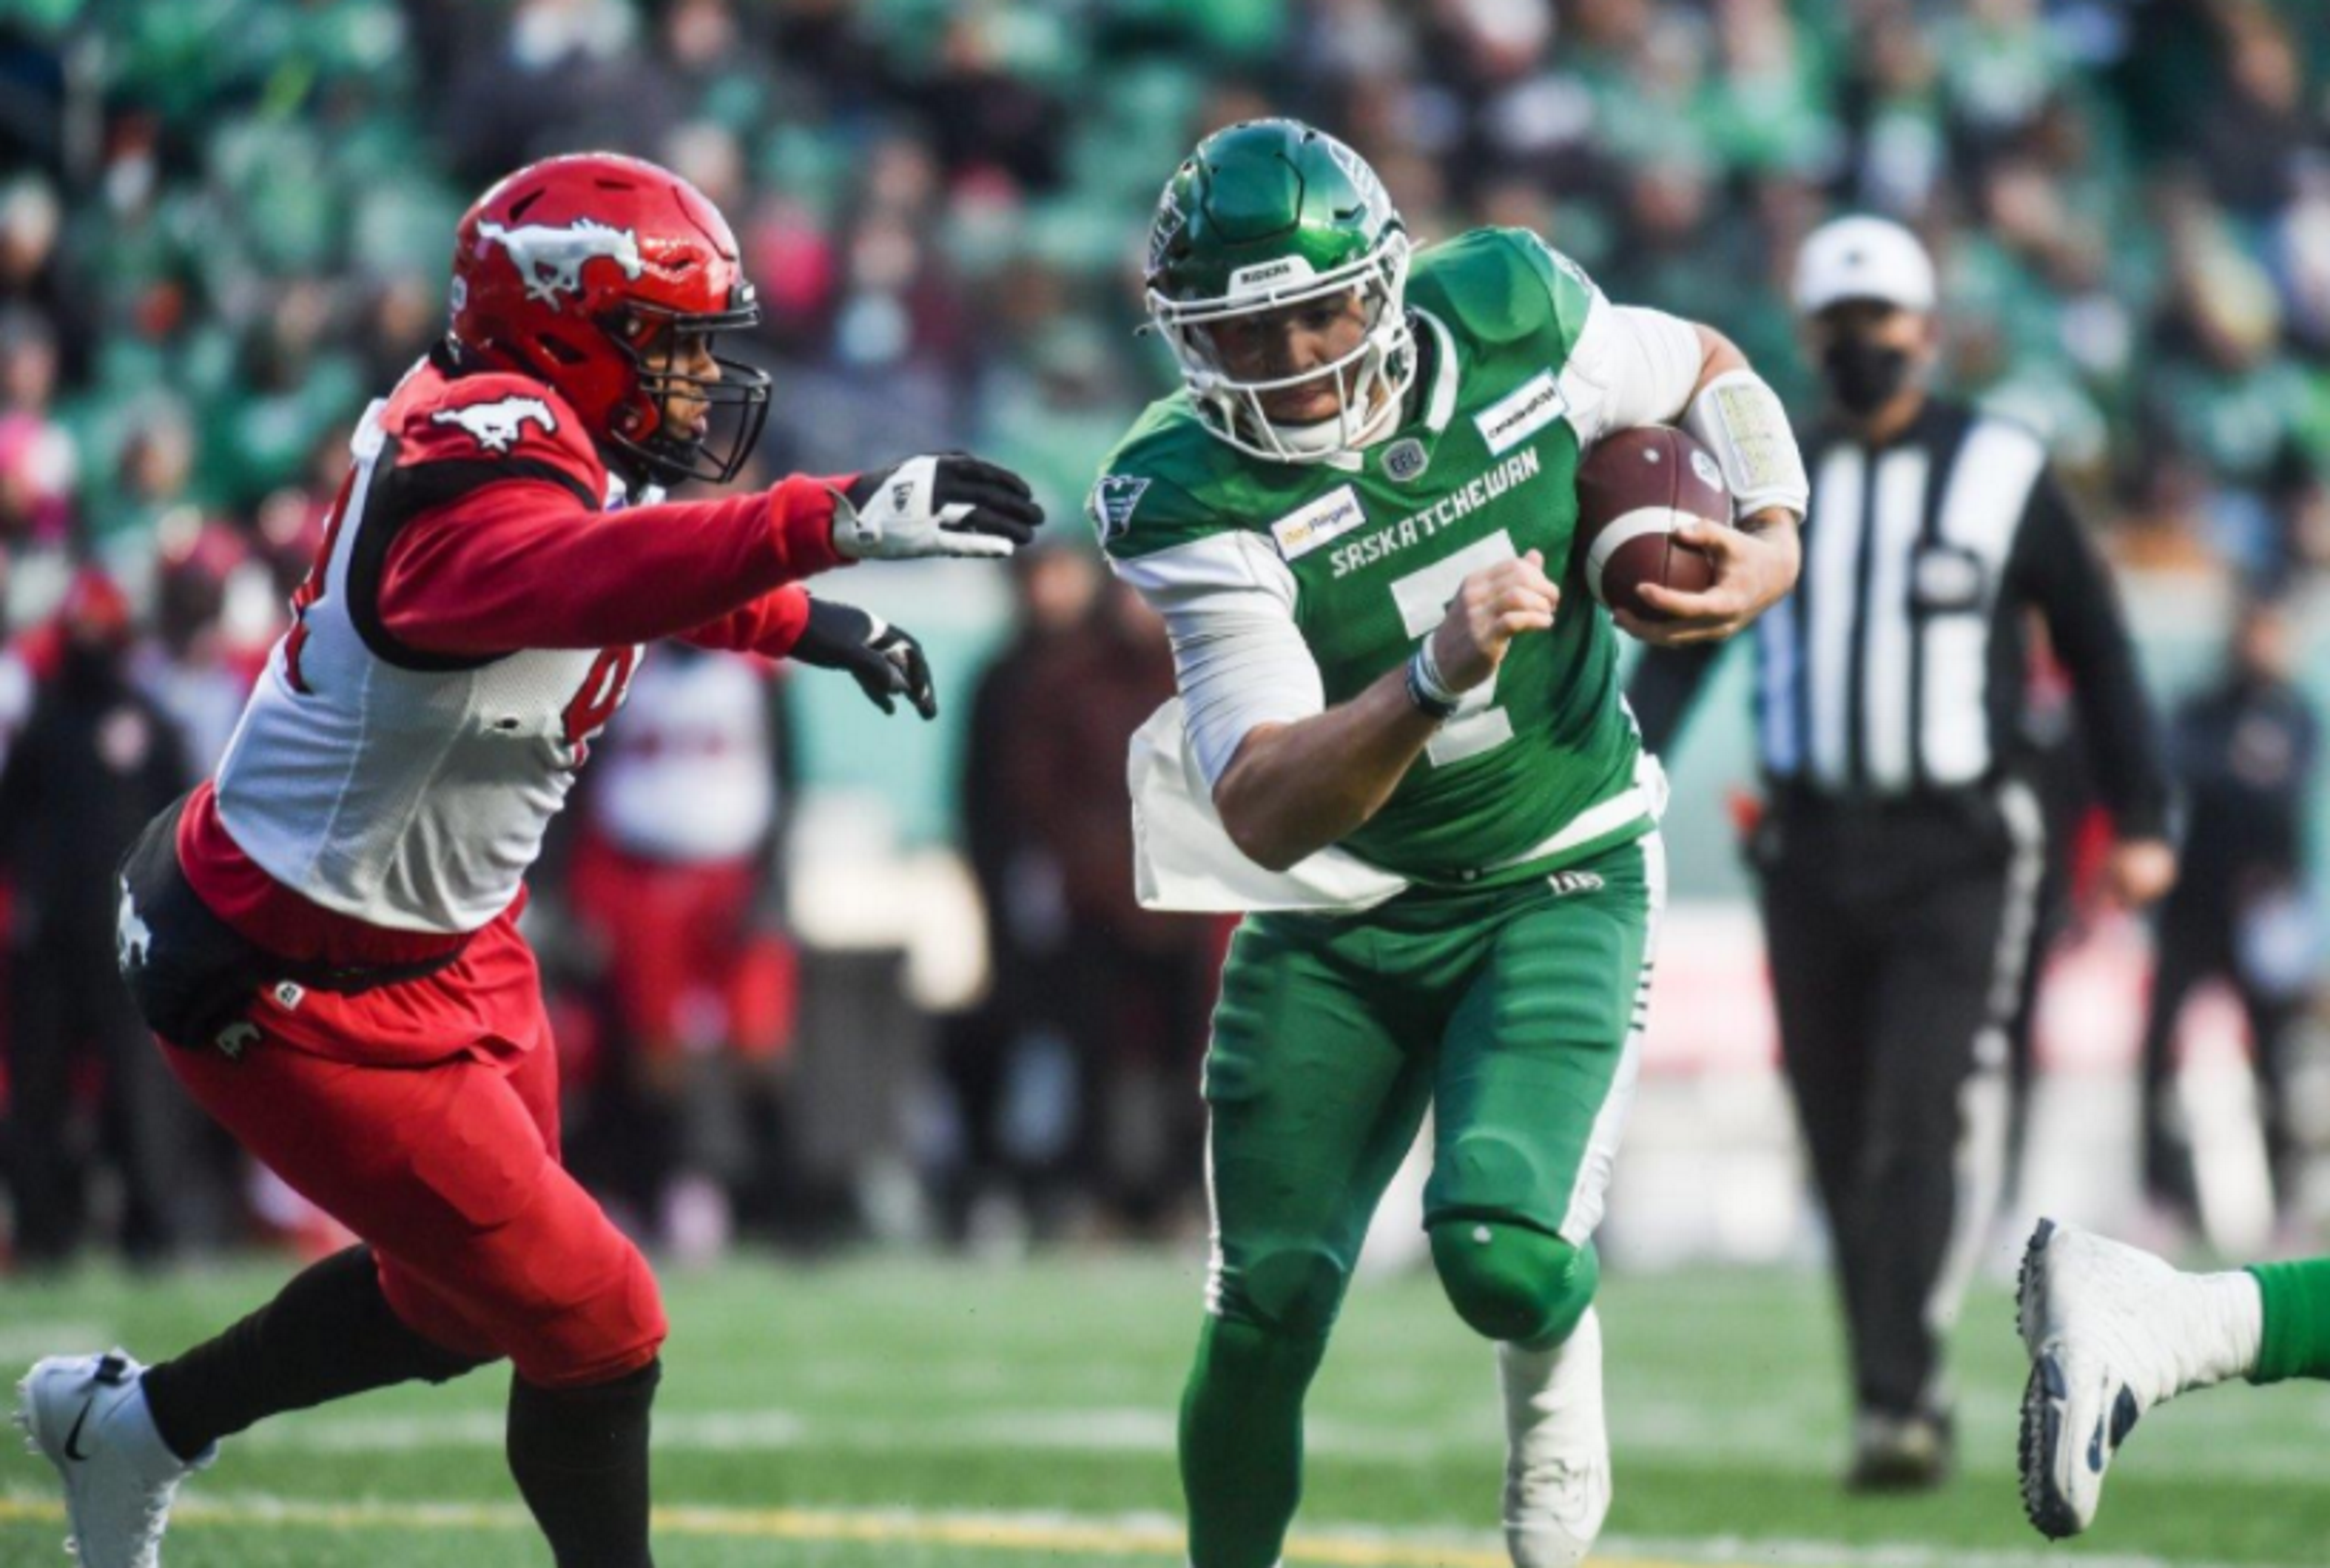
(191,973)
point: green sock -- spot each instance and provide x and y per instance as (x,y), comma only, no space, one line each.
(2297,1319)
(1242,1440)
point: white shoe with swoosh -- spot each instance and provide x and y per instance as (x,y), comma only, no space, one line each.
(87,1415)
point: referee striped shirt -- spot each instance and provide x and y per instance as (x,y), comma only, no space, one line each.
(1899,665)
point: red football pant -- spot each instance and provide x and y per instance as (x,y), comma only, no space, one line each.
(450,1171)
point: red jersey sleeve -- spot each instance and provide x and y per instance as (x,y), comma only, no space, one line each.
(487,536)
(770,626)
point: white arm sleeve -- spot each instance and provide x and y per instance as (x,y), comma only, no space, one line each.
(1630,365)
(1228,602)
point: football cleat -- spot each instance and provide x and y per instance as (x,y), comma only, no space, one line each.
(1898,1454)
(1557,1453)
(87,1415)
(2112,1331)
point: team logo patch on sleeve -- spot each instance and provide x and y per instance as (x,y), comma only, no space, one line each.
(497,425)
(1113,502)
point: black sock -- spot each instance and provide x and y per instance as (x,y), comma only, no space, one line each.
(327,1334)
(580,1460)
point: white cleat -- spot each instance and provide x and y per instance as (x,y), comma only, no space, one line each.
(2113,1331)
(1557,1449)
(87,1415)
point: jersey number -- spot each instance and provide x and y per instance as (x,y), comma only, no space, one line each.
(601,694)
(310,587)
(1477,726)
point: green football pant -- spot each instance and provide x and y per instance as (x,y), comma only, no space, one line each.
(1515,1014)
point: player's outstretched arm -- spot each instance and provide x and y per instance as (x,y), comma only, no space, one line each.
(1292,790)
(885,661)
(1756,559)
(523,563)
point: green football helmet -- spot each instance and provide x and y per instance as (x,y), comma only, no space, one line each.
(1267,215)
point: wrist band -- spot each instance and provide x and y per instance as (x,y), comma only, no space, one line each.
(1425,688)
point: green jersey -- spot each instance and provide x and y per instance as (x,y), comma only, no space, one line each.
(1538,767)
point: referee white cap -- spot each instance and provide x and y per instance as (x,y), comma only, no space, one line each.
(1861,257)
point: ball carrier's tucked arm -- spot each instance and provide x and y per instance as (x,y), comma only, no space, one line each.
(1292,790)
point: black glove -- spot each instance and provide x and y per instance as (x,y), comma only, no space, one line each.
(940,504)
(883,660)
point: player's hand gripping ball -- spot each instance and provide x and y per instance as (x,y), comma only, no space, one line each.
(1636,489)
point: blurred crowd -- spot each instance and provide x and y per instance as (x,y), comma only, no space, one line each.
(226,224)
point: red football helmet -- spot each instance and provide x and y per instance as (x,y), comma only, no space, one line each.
(572,270)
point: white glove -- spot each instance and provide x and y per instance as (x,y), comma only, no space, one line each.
(941,504)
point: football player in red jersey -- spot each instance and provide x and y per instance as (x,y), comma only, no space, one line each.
(325,935)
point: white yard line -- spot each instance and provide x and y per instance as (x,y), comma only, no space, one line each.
(1649,1431)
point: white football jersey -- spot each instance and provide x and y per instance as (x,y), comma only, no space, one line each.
(407,790)
(687,774)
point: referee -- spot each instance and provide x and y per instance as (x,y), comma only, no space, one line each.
(1899,853)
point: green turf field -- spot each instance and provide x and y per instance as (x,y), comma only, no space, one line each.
(926,1414)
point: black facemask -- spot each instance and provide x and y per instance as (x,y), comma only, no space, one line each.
(1862,376)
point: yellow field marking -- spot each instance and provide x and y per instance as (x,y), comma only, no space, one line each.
(971,1532)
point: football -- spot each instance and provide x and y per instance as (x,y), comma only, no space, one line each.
(1634,490)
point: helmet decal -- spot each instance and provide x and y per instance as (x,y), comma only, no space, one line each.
(1170,222)
(550,259)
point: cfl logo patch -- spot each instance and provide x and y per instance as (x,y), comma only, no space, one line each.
(1566,883)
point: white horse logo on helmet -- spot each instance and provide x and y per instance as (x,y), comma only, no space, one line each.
(498,424)
(550,259)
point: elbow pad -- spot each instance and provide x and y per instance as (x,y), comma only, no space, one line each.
(1739,420)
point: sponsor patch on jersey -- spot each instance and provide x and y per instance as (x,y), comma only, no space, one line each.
(1406,458)
(1324,521)
(1522,413)
(1114,500)
(288,994)
(1566,883)
(498,425)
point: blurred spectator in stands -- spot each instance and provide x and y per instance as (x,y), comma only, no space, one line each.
(95,761)
(1009,1061)
(677,875)
(201,662)
(2256,132)
(2222,386)
(1080,1063)
(38,462)
(33,274)
(2247,750)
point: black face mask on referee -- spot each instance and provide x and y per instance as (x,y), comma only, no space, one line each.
(1862,374)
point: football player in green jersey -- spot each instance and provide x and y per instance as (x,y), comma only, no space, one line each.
(1398,745)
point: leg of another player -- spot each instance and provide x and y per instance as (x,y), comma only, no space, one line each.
(1535,1075)
(486,1247)
(1313,1107)
(2112,1330)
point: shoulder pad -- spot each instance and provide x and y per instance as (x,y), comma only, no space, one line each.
(1505,285)
(1169,482)
(495,419)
